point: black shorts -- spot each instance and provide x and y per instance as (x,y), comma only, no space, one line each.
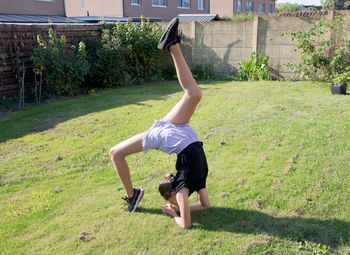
(192,168)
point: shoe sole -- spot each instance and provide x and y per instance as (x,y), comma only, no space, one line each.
(138,199)
(165,36)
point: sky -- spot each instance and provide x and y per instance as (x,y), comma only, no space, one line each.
(307,2)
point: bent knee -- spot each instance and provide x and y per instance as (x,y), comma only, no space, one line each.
(115,153)
(195,94)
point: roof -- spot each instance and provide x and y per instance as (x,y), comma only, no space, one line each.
(198,17)
(20,18)
(297,14)
(317,7)
(97,19)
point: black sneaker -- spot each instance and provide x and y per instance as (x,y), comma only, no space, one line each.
(131,203)
(170,36)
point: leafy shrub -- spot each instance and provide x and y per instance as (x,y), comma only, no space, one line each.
(322,56)
(107,66)
(287,7)
(255,69)
(63,71)
(169,72)
(241,17)
(136,44)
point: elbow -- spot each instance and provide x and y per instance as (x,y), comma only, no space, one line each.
(186,226)
(206,206)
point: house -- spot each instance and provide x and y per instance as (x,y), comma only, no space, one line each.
(164,9)
(228,8)
(33,7)
(95,9)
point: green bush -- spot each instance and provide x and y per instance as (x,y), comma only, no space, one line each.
(107,66)
(136,44)
(63,70)
(255,69)
(322,56)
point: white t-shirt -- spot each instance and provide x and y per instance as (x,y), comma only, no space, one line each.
(168,137)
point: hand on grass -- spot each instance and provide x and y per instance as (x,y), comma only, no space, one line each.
(169,210)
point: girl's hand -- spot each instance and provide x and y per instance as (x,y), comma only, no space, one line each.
(174,207)
(169,210)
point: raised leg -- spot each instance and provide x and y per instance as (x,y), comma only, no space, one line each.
(118,154)
(183,110)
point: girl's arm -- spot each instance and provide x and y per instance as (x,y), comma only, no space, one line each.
(184,220)
(204,202)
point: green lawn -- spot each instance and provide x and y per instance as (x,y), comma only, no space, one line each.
(278,155)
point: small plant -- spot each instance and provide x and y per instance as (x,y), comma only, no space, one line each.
(63,71)
(241,17)
(255,69)
(342,78)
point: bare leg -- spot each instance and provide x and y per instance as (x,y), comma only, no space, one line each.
(118,154)
(183,110)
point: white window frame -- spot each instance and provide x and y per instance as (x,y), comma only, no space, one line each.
(182,4)
(136,2)
(159,5)
(261,4)
(239,10)
(51,1)
(247,4)
(201,4)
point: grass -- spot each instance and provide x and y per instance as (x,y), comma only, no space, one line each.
(278,155)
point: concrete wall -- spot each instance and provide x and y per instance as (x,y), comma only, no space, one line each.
(78,8)
(225,44)
(35,7)
(165,13)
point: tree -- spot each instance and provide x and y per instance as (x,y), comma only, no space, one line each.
(335,4)
(287,7)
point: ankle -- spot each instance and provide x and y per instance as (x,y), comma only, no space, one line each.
(173,48)
(130,195)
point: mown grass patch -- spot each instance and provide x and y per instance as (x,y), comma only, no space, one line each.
(278,155)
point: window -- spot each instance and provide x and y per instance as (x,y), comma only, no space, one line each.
(249,6)
(82,3)
(270,8)
(201,4)
(239,6)
(160,3)
(135,2)
(184,4)
(46,1)
(261,8)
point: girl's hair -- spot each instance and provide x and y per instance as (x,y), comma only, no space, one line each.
(165,186)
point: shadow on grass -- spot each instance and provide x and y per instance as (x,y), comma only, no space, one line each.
(43,117)
(329,232)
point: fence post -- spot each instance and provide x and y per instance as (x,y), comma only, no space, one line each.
(255,34)
(193,42)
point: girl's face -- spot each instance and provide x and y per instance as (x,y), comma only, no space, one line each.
(172,199)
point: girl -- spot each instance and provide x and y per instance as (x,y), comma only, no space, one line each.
(172,134)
